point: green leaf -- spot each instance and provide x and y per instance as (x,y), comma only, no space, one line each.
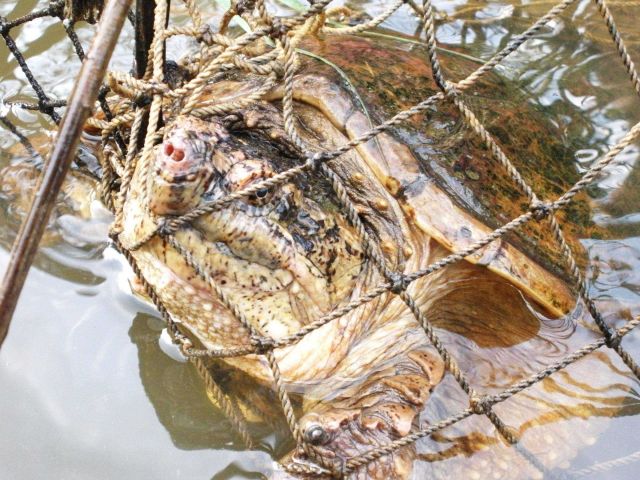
(242,23)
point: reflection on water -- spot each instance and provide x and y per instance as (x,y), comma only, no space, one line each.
(87,392)
(176,392)
(556,420)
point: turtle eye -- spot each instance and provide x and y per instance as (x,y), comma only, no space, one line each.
(316,435)
(261,197)
(247,172)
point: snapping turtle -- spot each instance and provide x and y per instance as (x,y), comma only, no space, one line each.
(287,255)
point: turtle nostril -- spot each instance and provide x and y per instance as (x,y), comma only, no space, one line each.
(168,148)
(178,155)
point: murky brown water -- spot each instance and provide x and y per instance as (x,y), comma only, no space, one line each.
(88,393)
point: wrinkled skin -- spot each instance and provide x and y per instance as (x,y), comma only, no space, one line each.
(285,260)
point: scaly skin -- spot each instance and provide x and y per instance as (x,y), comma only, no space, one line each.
(286,257)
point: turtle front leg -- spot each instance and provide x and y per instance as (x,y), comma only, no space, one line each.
(378,411)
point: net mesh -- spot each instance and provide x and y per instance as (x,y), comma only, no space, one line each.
(267,50)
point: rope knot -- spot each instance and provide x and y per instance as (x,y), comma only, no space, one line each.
(278,28)
(450,88)
(185,345)
(205,34)
(142,100)
(165,227)
(262,344)
(399,283)
(244,6)
(540,210)
(45,107)
(479,405)
(315,161)
(612,340)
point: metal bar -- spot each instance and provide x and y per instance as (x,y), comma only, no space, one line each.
(81,104)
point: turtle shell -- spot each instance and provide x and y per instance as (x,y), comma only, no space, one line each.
(385,77)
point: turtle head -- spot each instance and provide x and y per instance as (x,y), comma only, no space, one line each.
(182,168)
(280,254)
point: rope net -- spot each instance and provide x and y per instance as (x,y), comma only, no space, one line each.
(137,113)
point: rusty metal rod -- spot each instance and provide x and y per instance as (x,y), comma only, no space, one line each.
(81,103)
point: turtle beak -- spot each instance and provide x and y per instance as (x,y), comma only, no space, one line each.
(179,178)
(175,165)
